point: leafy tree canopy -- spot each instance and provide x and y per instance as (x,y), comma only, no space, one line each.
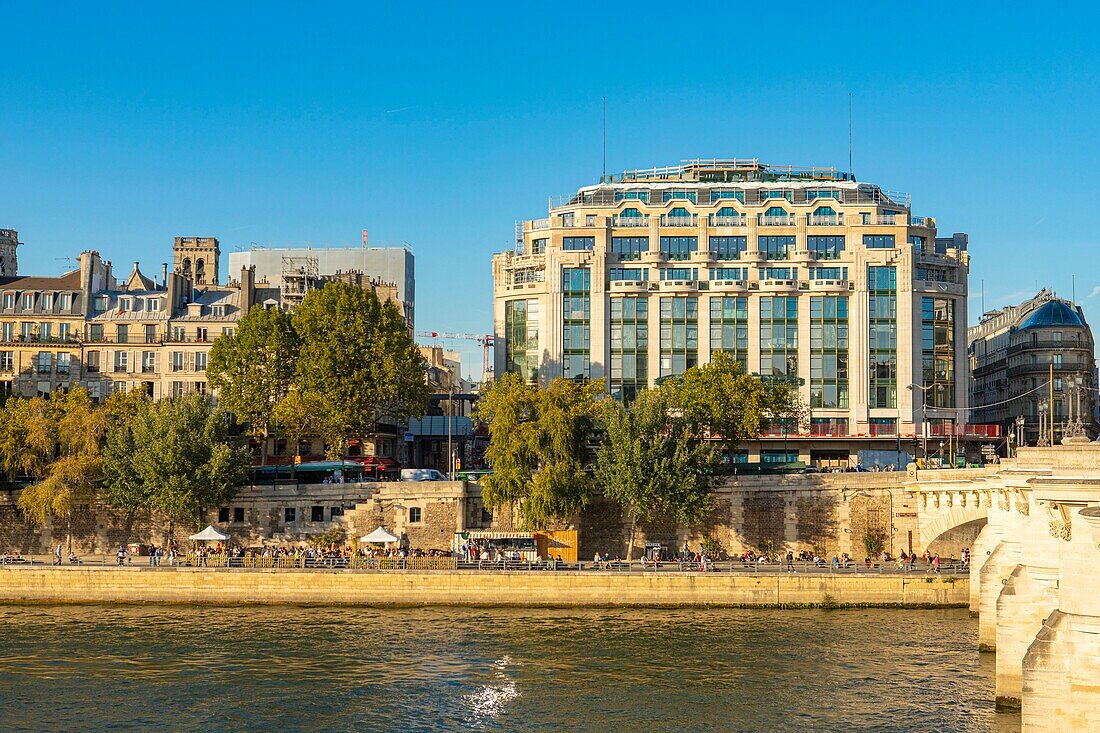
(357,352)
(253,368)
(538,446)
(650,464)
(175,456)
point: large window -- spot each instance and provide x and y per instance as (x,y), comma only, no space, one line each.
(573,244)
(629,248)
(727,248)
(775,248)
(629,346)
(729,273)
(826,248)
(679,334)
(636,274)
(521,338)
(679,273)
(779,336)
(938,350)
(829,351)
(576,285)
(729,327)
(878,241)
(679,248)
(883,336)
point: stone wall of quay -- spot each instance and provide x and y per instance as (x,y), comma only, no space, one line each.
(474,588)
(825,513)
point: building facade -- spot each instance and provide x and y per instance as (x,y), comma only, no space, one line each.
(1035,357)
(88,329)
(799,273)
(294,271)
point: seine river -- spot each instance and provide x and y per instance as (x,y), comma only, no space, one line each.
(176,668)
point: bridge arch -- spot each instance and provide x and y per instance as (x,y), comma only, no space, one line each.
(950,529)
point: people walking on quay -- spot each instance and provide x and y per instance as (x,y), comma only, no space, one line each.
(790,561)
(152,556)
(57,555)
(912,562)
(120,556)
(936,564)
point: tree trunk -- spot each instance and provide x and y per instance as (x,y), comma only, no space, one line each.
(69,531)
(630,540)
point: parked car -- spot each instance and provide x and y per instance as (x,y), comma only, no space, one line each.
(421,474)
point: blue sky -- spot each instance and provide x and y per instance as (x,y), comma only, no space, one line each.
(123,125)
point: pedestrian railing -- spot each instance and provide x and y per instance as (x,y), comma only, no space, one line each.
(952,568)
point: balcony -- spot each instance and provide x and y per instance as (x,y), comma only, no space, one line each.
(944,430)
(540,223)
(629,221)
(738,220)
(880,219)
(825,220)
(922,221)
(679,221)
(775,221)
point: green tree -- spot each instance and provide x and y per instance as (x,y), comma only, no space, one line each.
(358,354)
(301,415)
(538,446)
(649,463)
(176,456)
(720,401)
(27,437)
(253,368)
(74,477)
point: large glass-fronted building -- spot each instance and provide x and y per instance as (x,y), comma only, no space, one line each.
(799,273)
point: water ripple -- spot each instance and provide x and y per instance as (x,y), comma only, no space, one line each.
(135,668)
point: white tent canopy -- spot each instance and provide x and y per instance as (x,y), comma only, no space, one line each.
(210,534)
(378,535)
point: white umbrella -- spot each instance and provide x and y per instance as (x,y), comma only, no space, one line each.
(379,535)
(210,534)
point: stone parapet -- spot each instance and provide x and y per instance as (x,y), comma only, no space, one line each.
(474,588)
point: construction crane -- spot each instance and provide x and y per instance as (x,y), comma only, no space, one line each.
(485,341)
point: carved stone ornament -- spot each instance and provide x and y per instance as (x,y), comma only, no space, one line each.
(1060,529)
(1022,507)
(1002,504)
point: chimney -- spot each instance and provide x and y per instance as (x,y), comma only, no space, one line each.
(248,287)
(164,274)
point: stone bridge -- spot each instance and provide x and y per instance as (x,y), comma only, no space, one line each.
(1035,574)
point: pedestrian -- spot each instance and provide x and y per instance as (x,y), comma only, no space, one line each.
(790,561)
(152,556)
(120,556)
(57,554)
(936,563)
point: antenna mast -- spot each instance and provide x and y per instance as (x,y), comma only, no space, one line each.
(604,174)
(850,169)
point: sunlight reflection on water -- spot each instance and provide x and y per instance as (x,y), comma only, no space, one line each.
(131,668)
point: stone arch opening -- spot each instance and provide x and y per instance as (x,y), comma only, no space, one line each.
(953,530)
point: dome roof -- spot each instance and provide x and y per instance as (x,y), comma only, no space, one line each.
(1053,313)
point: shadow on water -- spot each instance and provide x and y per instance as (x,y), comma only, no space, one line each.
(178,668)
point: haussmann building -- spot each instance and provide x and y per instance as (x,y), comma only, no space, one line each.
(803,273)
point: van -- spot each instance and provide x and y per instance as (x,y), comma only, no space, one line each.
(421,474)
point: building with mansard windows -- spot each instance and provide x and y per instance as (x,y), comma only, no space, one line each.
(1014,353)
(799,273)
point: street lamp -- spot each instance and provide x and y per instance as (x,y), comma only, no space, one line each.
(923,413)
(1044,420)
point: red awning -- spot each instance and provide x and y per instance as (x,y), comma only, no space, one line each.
(383,463)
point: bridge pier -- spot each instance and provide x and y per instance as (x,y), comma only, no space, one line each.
(1061,669)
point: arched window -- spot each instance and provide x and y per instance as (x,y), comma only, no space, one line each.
(186,268)
(200,270)
(631,213)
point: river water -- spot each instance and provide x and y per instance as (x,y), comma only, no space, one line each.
(178,668)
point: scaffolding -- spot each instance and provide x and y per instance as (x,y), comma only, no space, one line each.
(300,275)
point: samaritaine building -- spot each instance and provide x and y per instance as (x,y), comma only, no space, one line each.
(799,273)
